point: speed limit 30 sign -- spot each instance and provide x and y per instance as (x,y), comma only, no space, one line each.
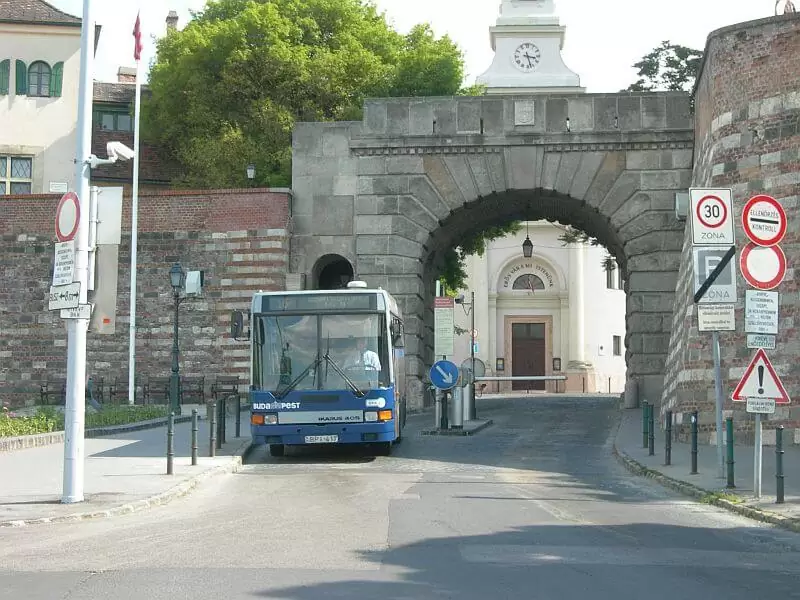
(712,217)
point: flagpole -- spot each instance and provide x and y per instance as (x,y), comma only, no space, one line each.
(134,236)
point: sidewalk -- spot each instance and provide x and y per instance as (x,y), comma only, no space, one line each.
(124,473)
(629,447)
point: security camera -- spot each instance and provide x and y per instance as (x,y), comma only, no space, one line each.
(117,150)
(460,299)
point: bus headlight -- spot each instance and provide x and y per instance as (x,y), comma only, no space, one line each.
(264,419)
(370,417)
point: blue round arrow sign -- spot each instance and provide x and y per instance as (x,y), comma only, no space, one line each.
(444,374)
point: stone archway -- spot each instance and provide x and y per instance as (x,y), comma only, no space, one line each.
(332,272)
(418,175)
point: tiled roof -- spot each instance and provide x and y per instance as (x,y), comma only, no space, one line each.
(122,93)
(35,11)
(153,168)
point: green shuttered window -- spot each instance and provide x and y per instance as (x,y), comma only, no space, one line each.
(56,76)
(5,76)
(22,78)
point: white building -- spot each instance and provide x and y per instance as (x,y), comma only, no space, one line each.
(559,312)
(39,78)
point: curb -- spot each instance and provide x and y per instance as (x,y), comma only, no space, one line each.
(23,442)
(178,491)
(688,489)
(458,432)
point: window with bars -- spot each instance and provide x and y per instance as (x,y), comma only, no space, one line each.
(16,175)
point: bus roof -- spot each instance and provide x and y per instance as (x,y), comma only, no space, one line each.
(391,303)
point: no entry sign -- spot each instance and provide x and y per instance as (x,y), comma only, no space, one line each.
(763,267)
(764,220)
(68,217)
(712,223)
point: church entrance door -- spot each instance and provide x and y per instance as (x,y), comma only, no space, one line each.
(528,354)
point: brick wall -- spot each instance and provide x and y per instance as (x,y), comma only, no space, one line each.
(747,116)
(238,237)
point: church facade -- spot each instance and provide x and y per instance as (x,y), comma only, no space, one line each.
(561,310)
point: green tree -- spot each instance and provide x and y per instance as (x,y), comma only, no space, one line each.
(669,67)
(453,274)
(575,236)
(228,88)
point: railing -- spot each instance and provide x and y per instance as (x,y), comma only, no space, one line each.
(555,378)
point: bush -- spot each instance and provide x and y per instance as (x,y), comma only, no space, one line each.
(48,419)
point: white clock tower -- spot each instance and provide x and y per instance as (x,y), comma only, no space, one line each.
(527,41)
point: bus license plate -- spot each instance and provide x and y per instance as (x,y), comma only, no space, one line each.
(322,439)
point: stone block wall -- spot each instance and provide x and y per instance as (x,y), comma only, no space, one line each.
(239,238)
(747,128)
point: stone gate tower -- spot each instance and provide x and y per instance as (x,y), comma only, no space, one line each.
(527,41)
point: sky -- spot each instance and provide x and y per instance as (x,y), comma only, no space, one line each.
(604,38)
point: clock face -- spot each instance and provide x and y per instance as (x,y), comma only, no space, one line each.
(527,57)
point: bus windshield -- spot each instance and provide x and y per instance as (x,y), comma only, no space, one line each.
(320,352)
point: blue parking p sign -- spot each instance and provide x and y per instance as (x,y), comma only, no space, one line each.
(444,374)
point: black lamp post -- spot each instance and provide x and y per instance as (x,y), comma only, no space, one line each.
(251,173)
(176,278)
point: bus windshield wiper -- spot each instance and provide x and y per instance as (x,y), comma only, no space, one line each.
(356,390)
(298,379)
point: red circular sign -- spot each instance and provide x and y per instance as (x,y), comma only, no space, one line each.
(711,212)
(68,217)
(764,267)
(764,220)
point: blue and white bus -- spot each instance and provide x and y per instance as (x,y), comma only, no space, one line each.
(327,367)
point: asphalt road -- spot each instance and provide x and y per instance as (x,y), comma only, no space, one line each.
(534,507)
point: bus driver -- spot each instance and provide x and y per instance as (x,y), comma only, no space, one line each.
(363,358)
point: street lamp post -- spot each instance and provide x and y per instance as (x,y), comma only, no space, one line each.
(471,312)
(176,278)
(251,173)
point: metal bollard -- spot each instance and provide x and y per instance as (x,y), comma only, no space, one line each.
(437,413)
(457,408)
(170,442)
(651,431)
(779,452)
(212,442)
(668,440)
(238,416)
(729,444)
(645,440)
(694,443)
(221,423)
(195,429)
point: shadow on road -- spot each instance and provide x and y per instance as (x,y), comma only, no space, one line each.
(567,562)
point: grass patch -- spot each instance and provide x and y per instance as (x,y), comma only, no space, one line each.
(48,419)
(712,497)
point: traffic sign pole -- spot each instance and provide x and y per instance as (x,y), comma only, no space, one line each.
(75,409)
(757,458)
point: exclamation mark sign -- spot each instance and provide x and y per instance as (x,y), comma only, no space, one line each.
(760,380)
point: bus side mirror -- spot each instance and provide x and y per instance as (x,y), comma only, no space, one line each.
(396,330)
(237,325)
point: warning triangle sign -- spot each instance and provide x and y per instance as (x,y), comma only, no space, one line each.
(760,381)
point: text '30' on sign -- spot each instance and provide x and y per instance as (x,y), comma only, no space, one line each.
(712,217)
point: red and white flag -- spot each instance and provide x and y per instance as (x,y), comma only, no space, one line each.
(137,36)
